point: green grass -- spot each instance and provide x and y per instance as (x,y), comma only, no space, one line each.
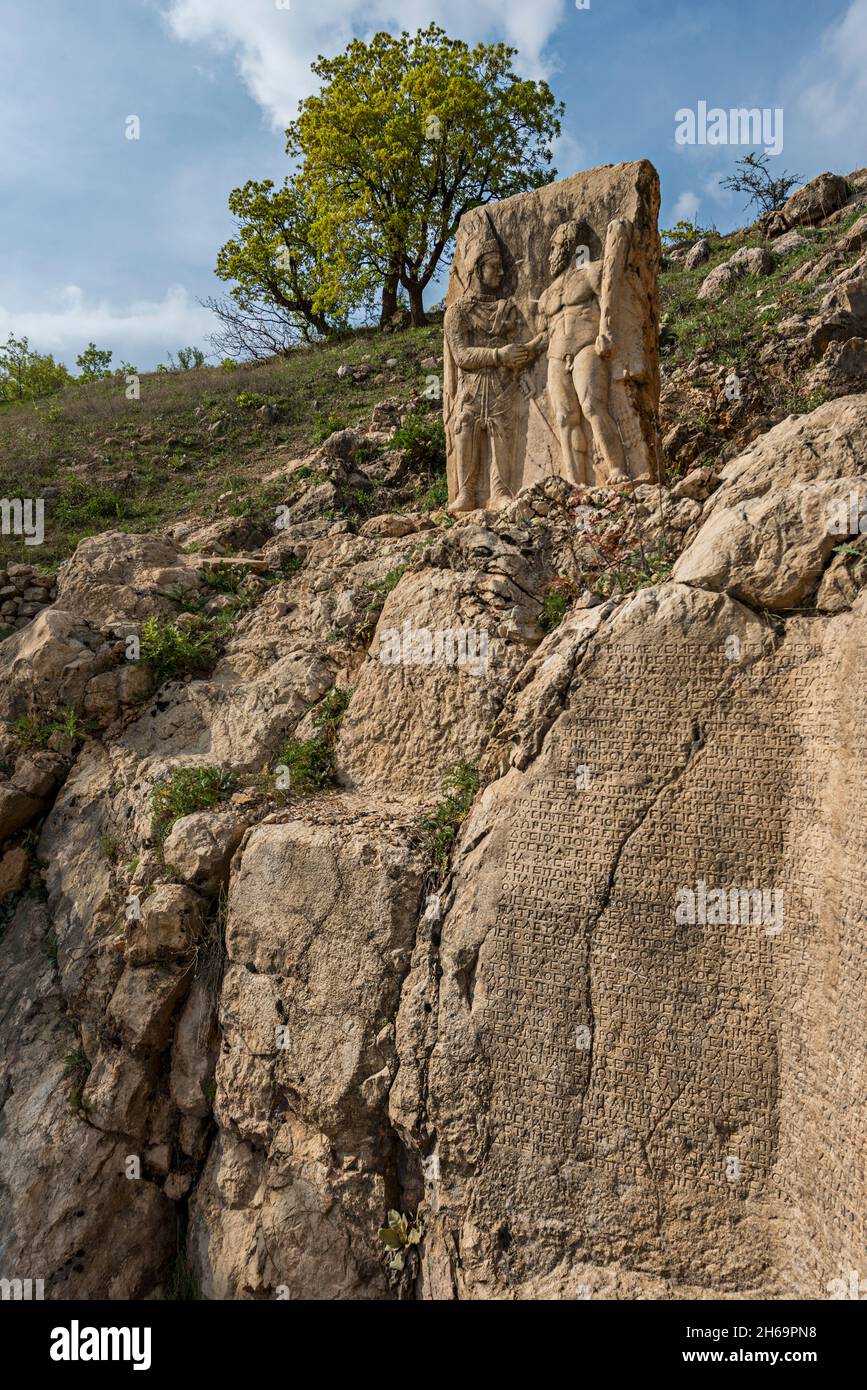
(76,1069)
(188,789)
(31,734)
(172,464)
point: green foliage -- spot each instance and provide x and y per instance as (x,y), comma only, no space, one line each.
(26,375)
(324,427)
(225,579)
(308,764)
(685,232)
(249,400)
(557,599)
(189,358)
(640,569)
(399,1237)
(111,847)
(81,504)
(76,1069)
(171,651)
(406,134)
(331,710)
(383,587)
(94,363)
(422,440)
(438,829)
(277,298)
(188,789)
(31,734)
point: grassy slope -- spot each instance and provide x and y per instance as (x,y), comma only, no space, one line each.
(734,326)
(103,462)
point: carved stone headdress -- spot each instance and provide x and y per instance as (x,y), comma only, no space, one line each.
(484,243)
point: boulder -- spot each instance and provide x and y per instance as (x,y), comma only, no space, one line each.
(168,928)
(200,847)
(810,204)
(750,260)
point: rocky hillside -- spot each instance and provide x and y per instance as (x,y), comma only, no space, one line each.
(339,837)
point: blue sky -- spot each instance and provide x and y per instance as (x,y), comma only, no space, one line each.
(113,239)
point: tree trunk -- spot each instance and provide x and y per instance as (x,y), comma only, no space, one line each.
(389,298)
(416,305)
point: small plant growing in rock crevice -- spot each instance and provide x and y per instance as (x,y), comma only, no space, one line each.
(400,1236)
(76,1069)
(31,734)
(438,829)
(307,765)
(557,599)
(170,650)
(188,789)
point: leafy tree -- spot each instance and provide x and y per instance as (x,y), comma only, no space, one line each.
(26,375)
(278,297)
(189,358)
(406,135)
(93,363)
(685,232)
(755,179)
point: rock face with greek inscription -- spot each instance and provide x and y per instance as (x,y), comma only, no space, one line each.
(637,1074)
(551,330)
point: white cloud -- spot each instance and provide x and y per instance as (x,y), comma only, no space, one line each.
(142,332)
(829,93)
(275,47)
(686,207)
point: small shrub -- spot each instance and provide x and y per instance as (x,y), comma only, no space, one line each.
(557,599)
(76,1069)
(249,400)
(325,426)
(399,1237)
(422,440)
(80,504)
(438,829)
(309,763)
(32,734)
(225,579)
(188,789)
(685,232)
(171,651)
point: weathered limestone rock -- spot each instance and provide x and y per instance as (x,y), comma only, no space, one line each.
(617,1091)
(115,578)
(200,847)
(767,531)
(448,644)
(750,260)
(320,930)
(551,336)
(168,926)
(69,1213)
(810,204)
